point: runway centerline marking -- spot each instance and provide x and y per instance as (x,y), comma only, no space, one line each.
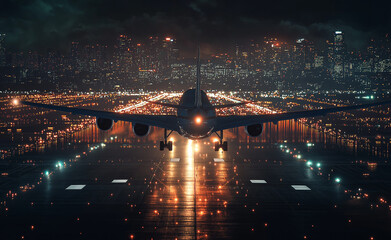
(218,160)
(301,187)
(75,187)
(175,159)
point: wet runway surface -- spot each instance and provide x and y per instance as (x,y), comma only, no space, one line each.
(256,190)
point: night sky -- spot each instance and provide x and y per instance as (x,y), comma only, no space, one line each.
(43,24)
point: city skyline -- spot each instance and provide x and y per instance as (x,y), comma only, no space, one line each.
(158,62)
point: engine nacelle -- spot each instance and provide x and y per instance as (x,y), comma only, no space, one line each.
(141,130)
(254,130)
(104,123)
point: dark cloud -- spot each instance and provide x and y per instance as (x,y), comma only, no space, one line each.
(41,24)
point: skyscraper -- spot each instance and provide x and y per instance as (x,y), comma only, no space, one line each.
(124,53)
(170,51)
(338,69)
(304,54)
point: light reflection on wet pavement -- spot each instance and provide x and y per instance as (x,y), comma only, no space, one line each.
(196,197)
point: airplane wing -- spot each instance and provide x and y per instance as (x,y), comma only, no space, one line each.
(163,121)
(226,122)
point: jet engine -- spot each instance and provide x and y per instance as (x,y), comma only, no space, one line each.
(104,123)
(254,130)
(141,130)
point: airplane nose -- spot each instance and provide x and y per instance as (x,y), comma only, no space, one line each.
(198,120)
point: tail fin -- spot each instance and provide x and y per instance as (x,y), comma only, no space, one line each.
(198,101)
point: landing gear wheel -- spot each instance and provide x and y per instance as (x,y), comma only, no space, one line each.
(217,146)
(225,146)
(221,144)
(162,145)
(166,144)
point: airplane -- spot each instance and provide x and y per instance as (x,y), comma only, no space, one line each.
(196,117)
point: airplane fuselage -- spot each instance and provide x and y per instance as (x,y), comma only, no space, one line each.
(195,122)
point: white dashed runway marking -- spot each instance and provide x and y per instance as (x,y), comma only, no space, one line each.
(219,160)
(301,187)
(258,181)
(75,187)
(120,181)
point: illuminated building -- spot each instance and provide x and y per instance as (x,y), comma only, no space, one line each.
(339,54)
(303,54)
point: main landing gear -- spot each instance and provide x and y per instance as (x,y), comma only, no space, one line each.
(166,144)
(221,144)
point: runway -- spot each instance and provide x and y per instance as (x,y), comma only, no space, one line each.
(256,190)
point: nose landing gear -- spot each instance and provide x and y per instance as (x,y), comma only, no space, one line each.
(221,144)
(166,144)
